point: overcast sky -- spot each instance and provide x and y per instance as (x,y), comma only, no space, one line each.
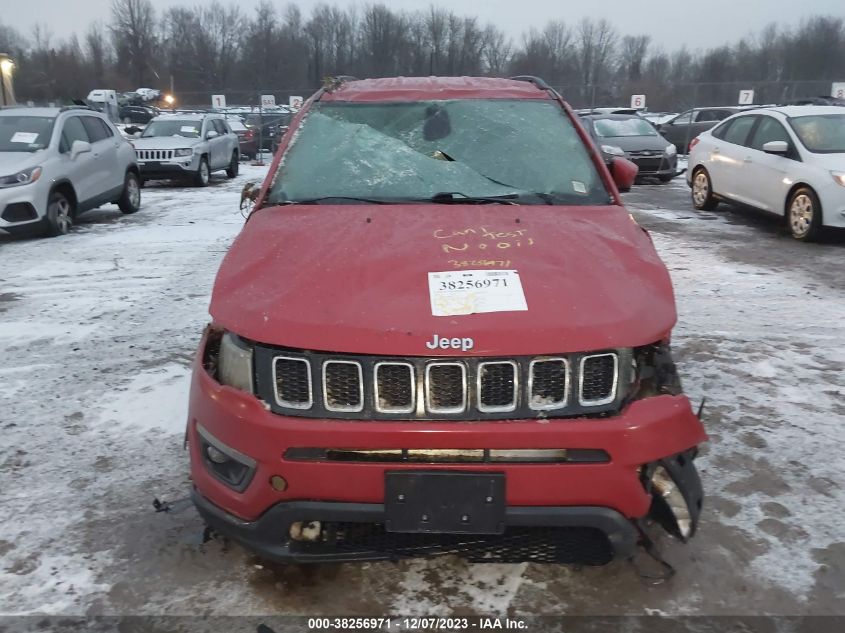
(696,23)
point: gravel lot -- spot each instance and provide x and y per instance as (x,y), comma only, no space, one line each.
(97,330)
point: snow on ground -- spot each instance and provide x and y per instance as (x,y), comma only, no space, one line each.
(97,332)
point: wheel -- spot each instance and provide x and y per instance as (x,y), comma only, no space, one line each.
(59,214)
(702,191)
(203,174)
(130,199)
(232,169)
(804,214)
(666,178)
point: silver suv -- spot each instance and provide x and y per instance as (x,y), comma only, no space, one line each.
(187,146)
(56,163)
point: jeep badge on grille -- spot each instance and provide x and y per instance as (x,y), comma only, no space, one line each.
(463,344)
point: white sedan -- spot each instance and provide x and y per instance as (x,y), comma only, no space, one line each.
(786,160)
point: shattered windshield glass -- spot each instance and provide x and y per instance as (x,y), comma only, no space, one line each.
(525,151)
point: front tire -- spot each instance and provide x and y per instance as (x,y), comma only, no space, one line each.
(59,214)
(203,175)
(804,214)
(130,199)
(232,169)
(702,191)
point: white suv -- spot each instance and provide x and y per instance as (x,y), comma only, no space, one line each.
(56,163)
(787,160)
(187,146)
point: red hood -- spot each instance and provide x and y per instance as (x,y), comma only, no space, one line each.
(351,278)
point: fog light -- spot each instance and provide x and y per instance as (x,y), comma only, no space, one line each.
(216,456)
(278,483)
(667,490)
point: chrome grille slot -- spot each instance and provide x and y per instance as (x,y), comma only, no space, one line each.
(598,377)
(395,387)
(497,386)
(292,382)
(343,386)
(445,387)
(548,384)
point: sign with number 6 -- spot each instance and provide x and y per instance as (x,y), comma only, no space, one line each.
(638,101)
(838,90)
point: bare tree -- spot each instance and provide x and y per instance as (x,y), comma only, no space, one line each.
(133,34)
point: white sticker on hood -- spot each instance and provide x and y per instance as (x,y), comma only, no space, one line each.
(579,187)
(24,137)
(188,128)
(475,291)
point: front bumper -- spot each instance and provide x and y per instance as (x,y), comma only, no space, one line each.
(606,497)
(22,208)
(181,167)
(588,535)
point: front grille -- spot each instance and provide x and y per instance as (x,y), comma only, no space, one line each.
(445,387)
(647,164)
(598,379)
(395,387)
(567,545)
(497,386)
(292,378)
(154,154)
(343,385)
(348,386)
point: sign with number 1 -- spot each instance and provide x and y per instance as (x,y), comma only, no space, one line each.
(218,101)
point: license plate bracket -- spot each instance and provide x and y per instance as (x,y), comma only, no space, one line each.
(448,502)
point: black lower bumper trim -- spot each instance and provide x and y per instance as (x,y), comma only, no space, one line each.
(355,532)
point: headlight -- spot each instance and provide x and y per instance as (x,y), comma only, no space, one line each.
(183,152)
(839,177)
(612,149)
(671,150)
(235,363)
(23,177)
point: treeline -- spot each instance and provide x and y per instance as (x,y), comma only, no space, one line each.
(220,48)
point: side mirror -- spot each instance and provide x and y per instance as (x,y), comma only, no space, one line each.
(776,147)
(624,172)
(79,147)
(211,134)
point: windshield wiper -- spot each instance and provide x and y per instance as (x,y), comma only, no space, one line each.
(322,199)
(456,197)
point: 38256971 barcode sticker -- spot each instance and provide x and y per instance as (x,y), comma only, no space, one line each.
(473,291)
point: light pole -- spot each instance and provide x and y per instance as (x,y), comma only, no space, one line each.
(7,65)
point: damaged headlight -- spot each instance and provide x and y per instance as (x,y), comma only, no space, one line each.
(655,372)
(234,366)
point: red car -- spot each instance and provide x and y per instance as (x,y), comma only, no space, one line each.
(247,139)
(440,331)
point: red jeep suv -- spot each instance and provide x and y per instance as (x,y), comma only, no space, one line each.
(440,331)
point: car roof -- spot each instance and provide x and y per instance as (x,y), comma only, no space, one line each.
(433,88)
(613,117)
(804,110)
(46,111)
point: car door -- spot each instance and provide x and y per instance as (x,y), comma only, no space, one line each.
(728,159)
(231,144)
(767,175)
(217,146)
(675,130)
(104,149)
(80,170)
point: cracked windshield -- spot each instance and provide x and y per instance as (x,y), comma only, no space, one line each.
(525,152)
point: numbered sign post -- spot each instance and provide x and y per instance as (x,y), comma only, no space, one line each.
(268,101)
(295,102)
(218,101)
(638,101)
(838,90)
(746,97)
